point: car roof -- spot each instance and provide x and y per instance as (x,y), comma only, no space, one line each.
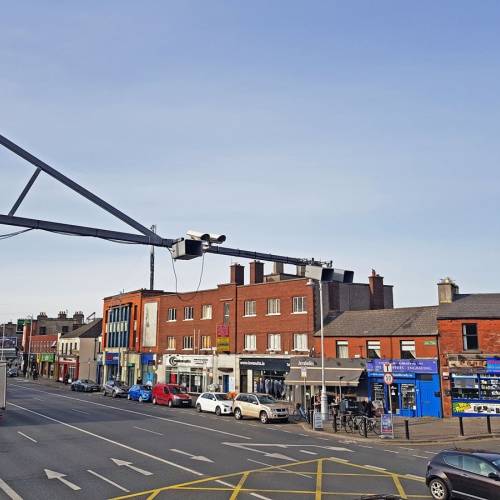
(486,454)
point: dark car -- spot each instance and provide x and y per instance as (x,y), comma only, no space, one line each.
(115,389)
(468,474)
(12,372)
(85,385)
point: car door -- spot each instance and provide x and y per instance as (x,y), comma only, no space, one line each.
(479,484)
(166,394)
(468,481)
(133,391)
(253,406)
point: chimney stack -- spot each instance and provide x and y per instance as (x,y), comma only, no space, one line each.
(447,289)
(376,284)
(256,272)
(278,268)
(237,274)
(301,270)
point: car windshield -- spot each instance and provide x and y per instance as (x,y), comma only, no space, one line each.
(175,390)
(145,387)
(496,463)
(265,399)
(221,397)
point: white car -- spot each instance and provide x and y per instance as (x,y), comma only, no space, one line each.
(215,402)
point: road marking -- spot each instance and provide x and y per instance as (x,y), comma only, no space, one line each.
(420,456)
(280,468)
(147,430)
(256,495)
(108,481)
(323,439)
(374,467)
(103,438)
(319,479)
(192,457)
(305,435)
(38,399)
(130,466)
(398,485)
(265,453)
(403,448)
(80,411)
(413,476)
(51,474)
(224,483)
(308,452)
(240,484)
(9,491)
(391,451)
(364,446)
(26,436)
(135,412)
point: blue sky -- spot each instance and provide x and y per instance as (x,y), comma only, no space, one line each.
(362,132)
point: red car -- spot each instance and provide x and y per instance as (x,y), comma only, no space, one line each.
(171,395)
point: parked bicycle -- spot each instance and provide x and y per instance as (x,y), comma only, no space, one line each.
(372,424)
(299,413)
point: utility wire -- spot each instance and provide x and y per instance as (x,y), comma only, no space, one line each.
(188,299)
(16,233)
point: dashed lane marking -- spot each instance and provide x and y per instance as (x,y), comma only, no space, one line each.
(108,481)
(420,456)
(103,438)
(147,430)
(26,436)
(374,467)
(80,411)
(308,452)
(364,446)
(9,491)
(391,451)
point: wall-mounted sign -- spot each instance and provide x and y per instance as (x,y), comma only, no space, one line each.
(111,358)
(223,344)
(149,324)
(430,342)
(403,365)
(222,330)
(50,358)
(493,365)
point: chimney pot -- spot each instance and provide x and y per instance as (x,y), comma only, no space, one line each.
(256,272)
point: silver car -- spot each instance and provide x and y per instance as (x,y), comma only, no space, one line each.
(115,389)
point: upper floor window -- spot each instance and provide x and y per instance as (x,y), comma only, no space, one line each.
(299,305)
(342,349)
(206,342)
(65,329)
(373,349)
(227,308)
(172,314)
(273,306)
(188,313)
(408,349)
(206,311)
(250,342)
(469,335)
(170,343)
(187,342)
(250,308)
(274,342)
(300,342)
(43,330)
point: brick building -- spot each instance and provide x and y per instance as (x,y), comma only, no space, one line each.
(43,350)
(404,337)
(236,336)
(469,346)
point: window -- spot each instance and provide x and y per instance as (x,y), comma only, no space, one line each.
(408,349)
(274,342)
(477,466)
(299,305)
(170,343)
(373,349)
(250,342)
(206,311)
(206,342)
(43,330)
(300,342)
(227,307)
(187,342)
(469,333)
(342,349)
(65,329)
(250,308)
(172,314)
(188,313)
(273,306)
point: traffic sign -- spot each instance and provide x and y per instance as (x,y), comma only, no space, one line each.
(303,372)
(388,378)
(387,367)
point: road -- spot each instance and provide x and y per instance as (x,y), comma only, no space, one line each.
(58,444)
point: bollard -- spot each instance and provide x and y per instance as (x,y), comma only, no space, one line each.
(488,424)
(365,427)
(461,422)
(407,429)
(334,423)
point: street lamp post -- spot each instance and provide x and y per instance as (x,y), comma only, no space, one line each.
(324,397)
(29,346)
(3,342)
(340,388)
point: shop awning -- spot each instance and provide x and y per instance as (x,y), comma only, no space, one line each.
(333,376)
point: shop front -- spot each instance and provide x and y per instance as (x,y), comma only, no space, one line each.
(194,373)
(266,375)
(475,387)
(99,372)
(343,378)
(68,368)
(111,365)
(148,368)
(47,364)
(415,391)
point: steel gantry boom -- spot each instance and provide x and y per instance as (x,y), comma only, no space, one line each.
(146,236)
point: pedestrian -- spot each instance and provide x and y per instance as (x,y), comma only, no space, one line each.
(66,378)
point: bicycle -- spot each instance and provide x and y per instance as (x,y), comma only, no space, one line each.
(299,414)
(371,424)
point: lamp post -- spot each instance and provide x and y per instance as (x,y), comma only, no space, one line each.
(340,387)
(29,346)
(3,342)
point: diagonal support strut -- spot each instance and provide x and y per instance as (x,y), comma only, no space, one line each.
(18,202)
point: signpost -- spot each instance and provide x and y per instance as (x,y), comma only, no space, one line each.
(388,379)
(317,420)
(303,374)
(386,427)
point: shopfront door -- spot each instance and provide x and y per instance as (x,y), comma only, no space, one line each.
(394,395)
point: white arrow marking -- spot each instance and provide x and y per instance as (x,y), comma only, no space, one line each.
(130,466)
(59,476)
(80,411)
(108,481)
(265,453)
(192,457)
(9,491)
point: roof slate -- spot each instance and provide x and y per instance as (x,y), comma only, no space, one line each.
(474,305)
(406,321)
(89,330)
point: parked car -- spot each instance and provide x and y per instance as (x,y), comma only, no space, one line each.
(464,474)
(261,406)
(141,393)
(13,372)
(115,389)
(85,385)
(215,402)
(171,395)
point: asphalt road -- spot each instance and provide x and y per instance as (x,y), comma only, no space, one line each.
(58,444)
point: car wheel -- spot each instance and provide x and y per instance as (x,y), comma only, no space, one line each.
(198,408)
(263,417)
(170,403)
(237,414)
(154,401)
(72,388)
(104,392)
(217,411)
(113,394)
(140,399)
(438,489)
(129,397)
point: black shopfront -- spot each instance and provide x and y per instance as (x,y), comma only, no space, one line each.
(266,375)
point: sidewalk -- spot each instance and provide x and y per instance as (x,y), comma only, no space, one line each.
(428,430)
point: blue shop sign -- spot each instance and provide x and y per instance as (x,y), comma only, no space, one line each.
(396,375)
(403,366)
(112,358)
(493,365)
(147,359)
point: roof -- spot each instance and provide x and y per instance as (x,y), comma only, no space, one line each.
(89,330)
(406,321)
(474,305)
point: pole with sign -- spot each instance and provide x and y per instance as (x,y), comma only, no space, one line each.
(386,423)
(303,374)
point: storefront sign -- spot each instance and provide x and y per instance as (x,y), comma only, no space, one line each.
(386,427)
(493,365)
(222,330)
(147,359)
(475,408)
(265,364)
(223,344)
(307,362)
(49,357)
(112,358)
(8,342)
(303,372)
(430,342)
(468,363)
(317,420)
(403,365)
(188,361)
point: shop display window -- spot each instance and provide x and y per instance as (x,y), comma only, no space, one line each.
(408,397)
(465,387)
